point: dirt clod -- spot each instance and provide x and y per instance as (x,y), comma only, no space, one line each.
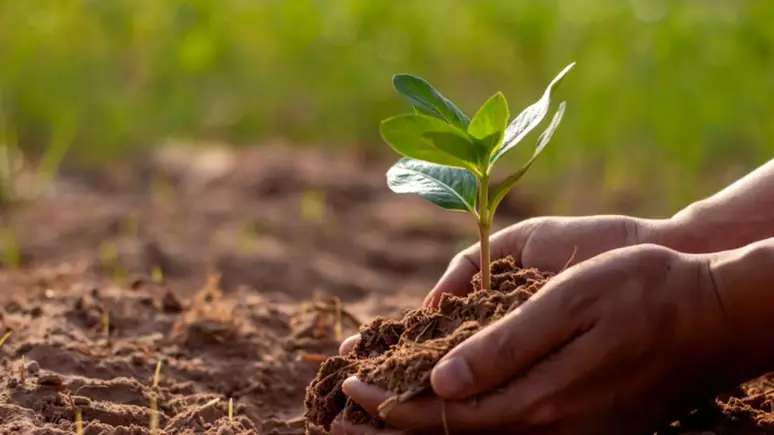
(399,355)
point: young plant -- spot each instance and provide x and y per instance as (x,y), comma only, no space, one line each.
(449,158)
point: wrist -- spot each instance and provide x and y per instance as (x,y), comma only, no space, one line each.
(706,226)
(669,233)
(687,232)
(742,281)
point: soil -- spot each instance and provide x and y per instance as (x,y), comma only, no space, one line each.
(234,273)
(398,356)
(227,266)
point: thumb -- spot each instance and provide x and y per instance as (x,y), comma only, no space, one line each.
(505,348)
(457,278)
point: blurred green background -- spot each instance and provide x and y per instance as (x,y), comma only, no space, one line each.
(667,102)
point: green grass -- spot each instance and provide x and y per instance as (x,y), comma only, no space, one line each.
(665,95)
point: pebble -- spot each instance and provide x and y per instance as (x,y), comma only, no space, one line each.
(93,318)
(50,380)
(33,368)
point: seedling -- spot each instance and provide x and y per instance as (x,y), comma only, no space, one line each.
(106,326)
(78,422)
(11,251)
(23,371)
(157,274)
(449,158)
(5,337)
(153,424)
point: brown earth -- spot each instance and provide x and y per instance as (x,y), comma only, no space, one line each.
(398,356)
(233,272)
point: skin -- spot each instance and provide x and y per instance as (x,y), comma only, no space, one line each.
(653,316)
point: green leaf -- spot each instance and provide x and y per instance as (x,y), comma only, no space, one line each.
(429,139)
(428,100)
(506,185)
(529,118)
(449,188)
(489,123)
(548,133)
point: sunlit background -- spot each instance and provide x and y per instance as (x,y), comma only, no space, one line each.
(668,101)
(202,182)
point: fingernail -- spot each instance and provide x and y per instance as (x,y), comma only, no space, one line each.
(349,383)
(451,377)
(348,344)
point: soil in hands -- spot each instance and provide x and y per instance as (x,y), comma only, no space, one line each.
(398,356)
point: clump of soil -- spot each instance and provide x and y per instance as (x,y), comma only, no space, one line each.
(399,355)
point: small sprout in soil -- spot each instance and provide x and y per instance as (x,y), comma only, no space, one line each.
(154,413)
(313,206)
(78,422)
(5,337)
(449,158)
(108,255)
(77,415)
(157,274)
(247,235)
(161,188)
(210,404)
(106,326)
(23,371)
(129,226)
(156,374)
(11,249)
(231,410)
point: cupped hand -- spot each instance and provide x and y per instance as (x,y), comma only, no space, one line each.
(547,243)
(612,345)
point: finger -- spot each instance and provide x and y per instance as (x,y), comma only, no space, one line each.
(371,397)
(542,397)
(348,344)
(458,276)
(343,427)
(514,343)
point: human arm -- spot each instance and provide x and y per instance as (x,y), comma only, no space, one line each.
(739,214)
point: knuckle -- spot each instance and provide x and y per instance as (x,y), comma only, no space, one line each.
(650,253)
(633,232)
(460,259)
(502,345)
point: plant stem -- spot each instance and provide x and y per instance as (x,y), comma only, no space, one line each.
(484,224)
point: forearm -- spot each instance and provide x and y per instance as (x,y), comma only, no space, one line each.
(741,213)
(744,282)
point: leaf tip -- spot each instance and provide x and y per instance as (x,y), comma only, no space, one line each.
(567,69)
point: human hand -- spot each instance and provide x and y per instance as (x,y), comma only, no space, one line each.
(547,243)
(612,345)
